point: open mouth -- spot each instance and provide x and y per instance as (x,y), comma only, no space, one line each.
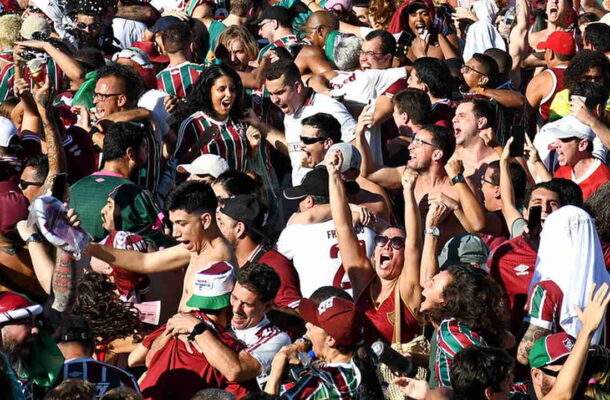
(226,103)
(420,28)
(456,131)
(384,260)
(553,11)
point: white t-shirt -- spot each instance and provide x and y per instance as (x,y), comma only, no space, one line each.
(315,103)
(167,5)
(127,31)
(357,88)
(314,251)
(263,341)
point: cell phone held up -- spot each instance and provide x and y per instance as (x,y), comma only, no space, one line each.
(534,222)
(518,135)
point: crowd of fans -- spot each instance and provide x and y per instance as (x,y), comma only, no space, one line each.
(304,199)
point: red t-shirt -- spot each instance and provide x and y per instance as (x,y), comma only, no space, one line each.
(512,265)
(176,374)
(289,294)
(81,155)
(596,176)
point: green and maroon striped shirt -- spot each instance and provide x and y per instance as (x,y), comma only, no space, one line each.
(178,80)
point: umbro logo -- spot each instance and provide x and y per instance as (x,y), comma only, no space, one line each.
(521,270)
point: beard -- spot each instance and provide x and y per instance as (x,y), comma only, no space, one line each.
(546,386)
(17,354)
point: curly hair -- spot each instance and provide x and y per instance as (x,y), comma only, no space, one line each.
(473,298)
(200,97)
(381,11)
(581,63)
(108,316)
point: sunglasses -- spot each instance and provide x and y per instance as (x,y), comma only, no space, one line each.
(549,372)
(311,140)
(469,68)
(483,180)
(396,242)
(568,139)
(593,78)
(24,184)
(93,26)
(104,96)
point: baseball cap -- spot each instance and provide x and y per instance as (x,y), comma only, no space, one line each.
(153,54)
(245,208)
(281,14)
(76,329)
(207,164)
(560,42)
(338,317)
(7,131)
(163,23)
(212,287)
(569,126)
(15,306)
(550,349)
(351,156)
(465,248)
(315,183)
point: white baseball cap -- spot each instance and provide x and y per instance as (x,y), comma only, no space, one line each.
(351,156)
(567,127)
(7,131)
(207,164)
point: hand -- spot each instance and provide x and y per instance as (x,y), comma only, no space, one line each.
(252,119)
(454,167)
(462,14)
(361,215)
(24,230)
(579,110)
(254,136)
(100,267)
(334,163)
(419,46)
(21,87)
(437,212)
(84,117)
(530,150)
(44,96)
(595,309)
(409,176)
(489,137)
(506,151)
(73,218)
(35,44)
(365,120)
(280,360)
(181,324)
(17,50)
(171,103)
(412,388)
(440,197)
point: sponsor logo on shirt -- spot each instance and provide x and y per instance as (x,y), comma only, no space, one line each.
(521,270)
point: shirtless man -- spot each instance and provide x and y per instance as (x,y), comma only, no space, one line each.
(192,210)
(439,179)
(471,118)
(311,59)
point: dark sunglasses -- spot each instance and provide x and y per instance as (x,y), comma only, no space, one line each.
(569,139)
(593,78)
(396,242)
(468,67)
(93,26)
(24,184)
(549,372)
(311,140)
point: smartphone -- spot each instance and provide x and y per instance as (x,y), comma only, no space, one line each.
(60,182)
(516,147)
(534,221)
(371,103)
(404,42)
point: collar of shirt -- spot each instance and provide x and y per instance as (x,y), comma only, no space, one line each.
(248,335)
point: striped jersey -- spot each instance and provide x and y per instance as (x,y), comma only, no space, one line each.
(7,76)
(229,140)
(543,307)
(178,80)
(287,41)
(336,381)
(104,376)
(451,337)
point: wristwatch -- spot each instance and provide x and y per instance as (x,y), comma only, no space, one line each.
(34,237)
(433,231)
(457,179)
(197,330)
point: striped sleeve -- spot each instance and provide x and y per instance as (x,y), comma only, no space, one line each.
(544,304)
(6,82)
(309,387)
(188,134)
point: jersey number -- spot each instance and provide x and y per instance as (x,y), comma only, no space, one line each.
(334,253)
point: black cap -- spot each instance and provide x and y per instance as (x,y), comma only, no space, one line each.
(76,329)
(281,14)
(416,5)
(246,208)
(315,183)
(163,23)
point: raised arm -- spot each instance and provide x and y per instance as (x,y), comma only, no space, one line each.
(410,288)
(356,264)
(469,204)
(41,259)
(72,68)
(571,372)
(437,212)
(517,45)
(276,138)
(144,263)
(507,194)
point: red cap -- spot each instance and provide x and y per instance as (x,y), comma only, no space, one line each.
(14,206)
(560,42)
(153,55)
(338,317)
(15,306)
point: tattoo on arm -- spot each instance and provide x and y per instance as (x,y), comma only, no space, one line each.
(64,282)
(532,334)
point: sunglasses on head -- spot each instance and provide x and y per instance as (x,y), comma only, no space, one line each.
(24,184)
(396,242)
(311,140)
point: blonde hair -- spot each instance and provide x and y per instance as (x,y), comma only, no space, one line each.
(236,32)
(10,26)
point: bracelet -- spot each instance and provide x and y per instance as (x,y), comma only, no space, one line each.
(197,330)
